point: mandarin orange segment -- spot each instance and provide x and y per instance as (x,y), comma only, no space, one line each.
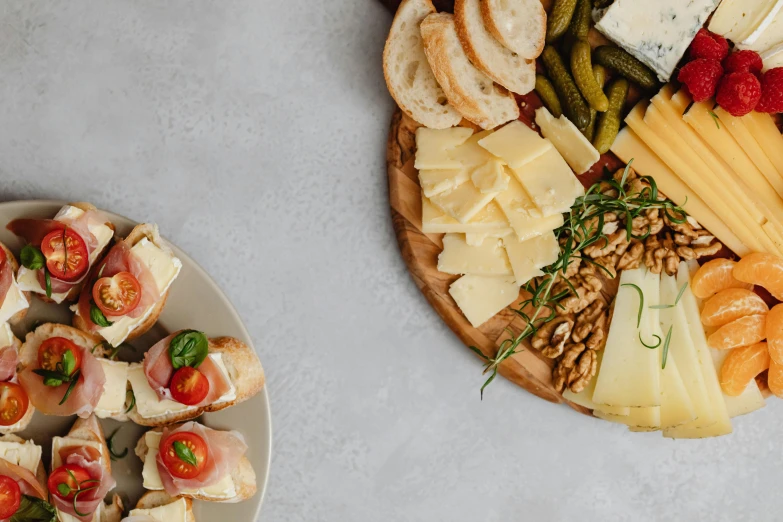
(731,304)
(714,276)
(765,270)
(742,332)
(775,333)
(775,378)
(741,366)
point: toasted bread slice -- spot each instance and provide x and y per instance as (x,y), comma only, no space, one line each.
(40,473)
(472,92)
(150,231)
(155,499)
(28,354)
(520,25)
(28,416)
(244,371)
(505,67)
(21,314)
(243,476)
(408,75)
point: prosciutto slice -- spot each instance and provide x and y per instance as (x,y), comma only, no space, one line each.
(27,481)
(83,398)
(121,259)
(9,359)
(224,451)
(159,371)
(88,502)
(6,276)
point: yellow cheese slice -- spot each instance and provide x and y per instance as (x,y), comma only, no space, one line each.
(768,136)
(638,419)
(550,183)
(629,148)
(516,144)
(585,397)
(476,239)
(523,215)
(434,182)
(481,297)
(435,221)
(462,202)
(529,256)
(577,150)
(470,153)
(433,146)
(457,257)
(490,177)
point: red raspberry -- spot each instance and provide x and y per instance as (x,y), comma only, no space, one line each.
(771,91)
(701,77)
(743,61)
(709,45)
(739,93)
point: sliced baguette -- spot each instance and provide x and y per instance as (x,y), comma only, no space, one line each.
(408,75)
(21,314)
(150,231)
(28,354)
(243,476)
(28,416)
(40,472)
(472,92)
(244,371)
(155,499)
(520,25)
(505,67)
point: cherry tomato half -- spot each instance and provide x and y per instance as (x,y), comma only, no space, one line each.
(64,482)
(118,294)
(51,351)
(13,404)
(189,386)
(10,497)
(189,445)
(67,257)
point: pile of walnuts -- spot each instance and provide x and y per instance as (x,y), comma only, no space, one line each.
(575,336)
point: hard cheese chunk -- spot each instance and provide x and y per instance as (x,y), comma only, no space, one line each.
(463,202)
(481,297)
(488,220)
(529,256)
(550,183)
(433,147)
(460,258)
(490,177)
(516,144)
(523,215)
(436,181)
(657,34)
(630,374)
(577,150)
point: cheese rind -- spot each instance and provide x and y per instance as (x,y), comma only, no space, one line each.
(460,258)
(516,144)
(577,150)
(481,297)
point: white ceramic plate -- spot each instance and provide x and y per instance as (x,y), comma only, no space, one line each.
(195,301)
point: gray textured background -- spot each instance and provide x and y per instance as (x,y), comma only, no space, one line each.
(254,133)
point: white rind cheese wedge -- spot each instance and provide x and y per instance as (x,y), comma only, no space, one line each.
(25,454)
(112,402)
(481,297)
(743,21)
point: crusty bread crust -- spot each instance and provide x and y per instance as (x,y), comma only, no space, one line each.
(244,477)
(244,371)
(40,473)
(139,232)
(28,416)
(153,499)
(21,314)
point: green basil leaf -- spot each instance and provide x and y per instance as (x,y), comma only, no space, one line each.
(64,489)
(34,510)
(69,362)
(185,454)
(48,279)
(54,383)
(189,348)
(55,376)
(97,316)
(32,258)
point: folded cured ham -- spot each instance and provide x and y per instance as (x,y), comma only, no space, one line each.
(16,412)
(22,480)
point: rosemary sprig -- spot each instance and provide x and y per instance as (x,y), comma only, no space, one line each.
(666,348)
(113,454)
(583,227)
(641,302)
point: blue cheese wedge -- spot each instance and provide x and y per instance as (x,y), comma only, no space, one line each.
(173,512)
(222,489)
(656,33)
(112,402)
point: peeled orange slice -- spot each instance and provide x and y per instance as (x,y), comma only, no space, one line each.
(742,332)
(775,333)
(731,304)
(714,276)
(761,269)
(741,366)
(775,378)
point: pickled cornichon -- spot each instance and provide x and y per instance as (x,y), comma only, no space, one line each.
(559,19)
(619,60)
(580,22)
(609,121)
(574,106)
(599,72)
(582,69)
(546,91)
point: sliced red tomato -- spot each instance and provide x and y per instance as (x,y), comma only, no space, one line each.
(10,497)
(13,404)
(66,253)
(184,454)
(117,295)
(64,482)
(189,386)
(51,351)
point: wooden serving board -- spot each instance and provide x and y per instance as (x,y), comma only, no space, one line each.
(528,368)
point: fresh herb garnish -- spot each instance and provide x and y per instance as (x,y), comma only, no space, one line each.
(132,400)
(110,444)
(34,509)
(65,489)
(64,372)
(583,227)
(676,301)
(32,258)
(666,348)
(184,453)
(48,280)
(715,117)
(97,317)
(641,302)
(188,348)
(650,346)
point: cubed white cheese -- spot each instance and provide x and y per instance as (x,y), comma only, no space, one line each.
(14,302)
(25,454)
(656,33)
(112,402)
(173,512)
(223,488)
